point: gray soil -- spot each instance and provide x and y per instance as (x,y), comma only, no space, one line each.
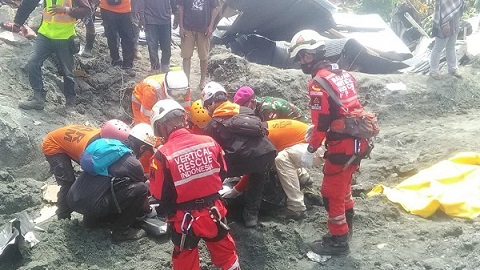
(420,126)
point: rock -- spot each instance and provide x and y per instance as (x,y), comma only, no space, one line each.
(13,38)
(388,266)
(5,176)
(434,264)
(454,231)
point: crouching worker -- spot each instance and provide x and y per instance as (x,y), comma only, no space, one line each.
(111,189)
(244,140)
(142,141)
(185,177)
(65,144)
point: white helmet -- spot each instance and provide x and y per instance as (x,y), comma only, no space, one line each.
(176,85)
(144,132)
(162,112)
(305,40)
(211,91)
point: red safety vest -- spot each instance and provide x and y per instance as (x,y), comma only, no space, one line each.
(345,88)
(193,162)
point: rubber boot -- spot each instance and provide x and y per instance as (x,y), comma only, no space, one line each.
(333,245)
(349,214)
(70,104)
(36,103)
(87,51)
(250,218)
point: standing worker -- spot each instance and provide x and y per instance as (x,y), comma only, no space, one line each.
(446,25)
(196,21)
(185,177)
(117,21)
(155,17)
(55,35)
(343,150)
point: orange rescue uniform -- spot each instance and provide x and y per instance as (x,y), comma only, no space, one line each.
(71,140)
(284,133)
(147,93)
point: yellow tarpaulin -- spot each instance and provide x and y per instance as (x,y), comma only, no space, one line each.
(452,186)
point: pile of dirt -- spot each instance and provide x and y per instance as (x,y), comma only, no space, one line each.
(420,125)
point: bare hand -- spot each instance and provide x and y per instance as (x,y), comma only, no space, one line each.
(57,9)
(182,32)
(209,31)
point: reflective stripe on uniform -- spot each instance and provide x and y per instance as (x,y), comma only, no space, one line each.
(135,100)
(348,197)
(60,26)
(145,112)
(59,17)
(341,219)
(155,84)
(196,176)
(190,149)
(235,266)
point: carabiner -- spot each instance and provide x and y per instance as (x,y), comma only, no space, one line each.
(185,216)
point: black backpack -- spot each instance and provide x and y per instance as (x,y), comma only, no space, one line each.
(245,125)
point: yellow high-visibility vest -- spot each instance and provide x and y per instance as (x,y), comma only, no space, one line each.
(59,26)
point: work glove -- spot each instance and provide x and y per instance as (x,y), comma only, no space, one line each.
(307,159)
(231,194)
(231,180)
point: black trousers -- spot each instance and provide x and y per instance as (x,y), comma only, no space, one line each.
(130,197)
(62,169)
(256,183)
(131,200)
(119,25)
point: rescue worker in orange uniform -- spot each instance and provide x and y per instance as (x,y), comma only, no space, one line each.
(172,85)
(65,144)
(308,48)
(185,178)
(288,136)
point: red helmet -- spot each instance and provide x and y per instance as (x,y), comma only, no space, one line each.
(115,129)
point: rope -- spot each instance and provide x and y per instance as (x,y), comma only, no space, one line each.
(122,94)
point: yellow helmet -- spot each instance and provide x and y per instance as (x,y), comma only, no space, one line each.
(198,115)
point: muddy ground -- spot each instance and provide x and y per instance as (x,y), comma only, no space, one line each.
(426,123)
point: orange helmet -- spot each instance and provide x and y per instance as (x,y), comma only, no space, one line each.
(198,115)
